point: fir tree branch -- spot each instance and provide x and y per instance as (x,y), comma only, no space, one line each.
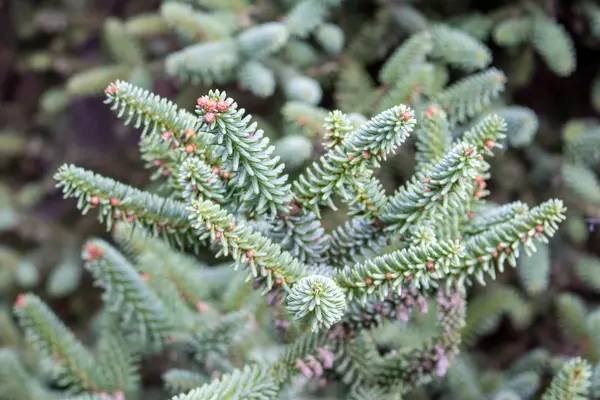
(364,148)
(116,201)
(249,249)
(127,295)
(502,241)
(257,184)
(47,333)
(419,267)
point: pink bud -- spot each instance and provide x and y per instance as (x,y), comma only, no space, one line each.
(304,370)
(326,357)
(402,313)
(315,365)
(442,366)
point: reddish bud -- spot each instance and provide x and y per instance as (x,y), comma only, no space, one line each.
(499,247)
(94,201)
(189,133)
(410,277)
(480,259)
(20,302)
(209,117)
(210,105)
(478,195)
(405,115)
(111,89)
(468,152)
(539,228)
(226,175)
(430,266)
(165,172)
(489,143)
(166,135)
(131,218)
(388,276)
(145,276)
(189,148)
(249,253)
(470,214)
(366,155)
(479,158)
(427,190)
(201,101)
(202,307)
(426,180)
(222,106)
(523,239)
(157,163)
(495,255)
(216,170)
(369,282)
(278,281)
(430,111)
(114,202)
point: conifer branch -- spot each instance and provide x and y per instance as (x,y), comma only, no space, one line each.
(117,201)
(75,364)
(265,259)
(257,180)
(501,242)
(419,267)
(126,293)
(365,147)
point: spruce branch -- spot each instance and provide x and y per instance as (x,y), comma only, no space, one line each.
(419,267)
(571,382)
(117,364)
(501,242)
(260,41)
(364,148)
(207,63)
(184,272)
(447,185)
(337,127)
(458,49)
(117,201)
(245,151)
(411,53)
(180,380)
(414,367)
(249,249)
(197,181)
(303,236)
(148,110)
(433,136)
(319,297)
(357,237)
(126,293)
(468,97)
(252,382)
(75,364)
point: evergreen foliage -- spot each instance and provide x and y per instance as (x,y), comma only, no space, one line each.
(305,252)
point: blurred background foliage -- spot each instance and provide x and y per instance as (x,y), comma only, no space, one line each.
(57,56)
